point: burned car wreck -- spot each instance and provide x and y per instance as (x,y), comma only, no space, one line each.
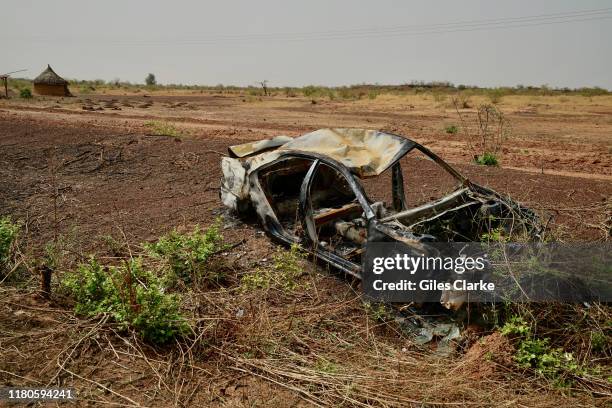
(311,190)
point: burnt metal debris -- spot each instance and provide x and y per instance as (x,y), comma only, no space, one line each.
(308,190)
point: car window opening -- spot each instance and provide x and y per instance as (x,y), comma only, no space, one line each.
(438,206)
(281,184)
(337,215)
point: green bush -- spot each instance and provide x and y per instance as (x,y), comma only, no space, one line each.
(538,355)
(9,232)
(84,90)
(254,92)
(284,273)
(25,93)
(187,254)
(290,92)
(516,326)
(373,94)
(378,311)
(495,95)
(599,341)
(160,128)
(257,279)
(131,295)
(311,91)
(494,234)
(487,159)
(552,363)
(287,266)
(590,92)
(346,93)
(451,129)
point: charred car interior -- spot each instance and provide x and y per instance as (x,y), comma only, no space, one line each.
(314,190)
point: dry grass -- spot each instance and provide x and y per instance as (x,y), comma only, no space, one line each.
(160,128)
(317,344)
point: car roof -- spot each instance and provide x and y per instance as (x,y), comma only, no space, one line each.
(366,153)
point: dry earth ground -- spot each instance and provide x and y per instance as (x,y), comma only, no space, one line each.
(316,345)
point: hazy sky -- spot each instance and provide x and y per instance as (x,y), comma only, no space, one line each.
(326,42)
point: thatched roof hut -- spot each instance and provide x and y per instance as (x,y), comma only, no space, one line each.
(49,83)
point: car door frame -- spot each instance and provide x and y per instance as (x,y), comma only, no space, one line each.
(277,232)
(307,217)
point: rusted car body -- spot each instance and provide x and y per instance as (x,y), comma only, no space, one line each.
(309,190)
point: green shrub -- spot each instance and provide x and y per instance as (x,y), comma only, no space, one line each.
(9,232)
(84,90)
(373,94)
(287,266)
(377,311)
(257,279)
(290,92)
(516,326)
(325,366)
(599,341)
(590,92)
(346,93)
(451,129)
(462,100)
(494,235)
(552,363)
(25,93)
(254,92)
(312,91)
(487,159)
(131,295)
(495,95)
(538,355)
(187,254)
(160,128)
(284,273)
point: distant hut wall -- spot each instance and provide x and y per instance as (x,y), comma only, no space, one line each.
(53,90)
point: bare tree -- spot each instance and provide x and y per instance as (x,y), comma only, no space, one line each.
(492,130)
(264,86)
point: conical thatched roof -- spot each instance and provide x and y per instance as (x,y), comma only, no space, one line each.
(49,77)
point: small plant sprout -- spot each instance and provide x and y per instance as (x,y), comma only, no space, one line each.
(451,129)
